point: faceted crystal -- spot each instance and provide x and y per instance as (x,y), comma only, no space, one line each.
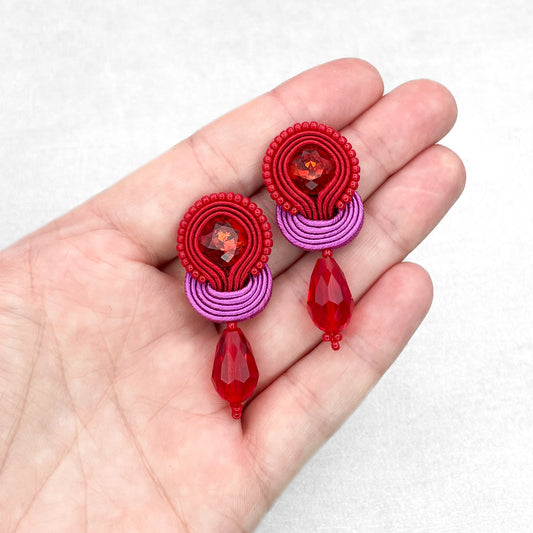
(329,300)
(311,168)
(235,373)
(222,240)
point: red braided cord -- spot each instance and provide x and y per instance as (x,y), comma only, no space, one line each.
(336,193)
(235,208)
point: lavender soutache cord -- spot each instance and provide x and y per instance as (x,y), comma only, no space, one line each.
(321,234)
(230,306)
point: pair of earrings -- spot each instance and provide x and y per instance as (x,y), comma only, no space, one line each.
(224,240)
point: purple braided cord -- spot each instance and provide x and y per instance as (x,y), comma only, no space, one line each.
(321,234)
(230,306)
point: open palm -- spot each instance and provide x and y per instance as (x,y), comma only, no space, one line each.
(108,418)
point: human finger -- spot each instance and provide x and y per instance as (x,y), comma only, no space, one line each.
(227,154)
(303,407)
(398,216)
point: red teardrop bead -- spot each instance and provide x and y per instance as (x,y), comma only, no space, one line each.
(235,373)
(329,300)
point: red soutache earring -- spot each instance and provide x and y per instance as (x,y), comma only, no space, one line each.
(224,241)
(311,171)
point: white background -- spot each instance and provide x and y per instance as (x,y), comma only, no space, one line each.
(89,91)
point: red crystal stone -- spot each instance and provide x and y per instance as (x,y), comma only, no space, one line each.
(329,300)
(235,373)
(222,241)
(311,168)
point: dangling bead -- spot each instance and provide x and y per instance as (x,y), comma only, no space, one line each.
(329,300)
(235,372)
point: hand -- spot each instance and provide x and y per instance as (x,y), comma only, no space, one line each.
(108,418)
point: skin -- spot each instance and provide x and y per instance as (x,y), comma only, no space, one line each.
(108,418)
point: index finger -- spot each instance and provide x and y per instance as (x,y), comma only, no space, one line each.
(227,154)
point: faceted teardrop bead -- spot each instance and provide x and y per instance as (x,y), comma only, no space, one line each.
(329,300)
(235,373)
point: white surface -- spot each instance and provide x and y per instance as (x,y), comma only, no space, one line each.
(91,90)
